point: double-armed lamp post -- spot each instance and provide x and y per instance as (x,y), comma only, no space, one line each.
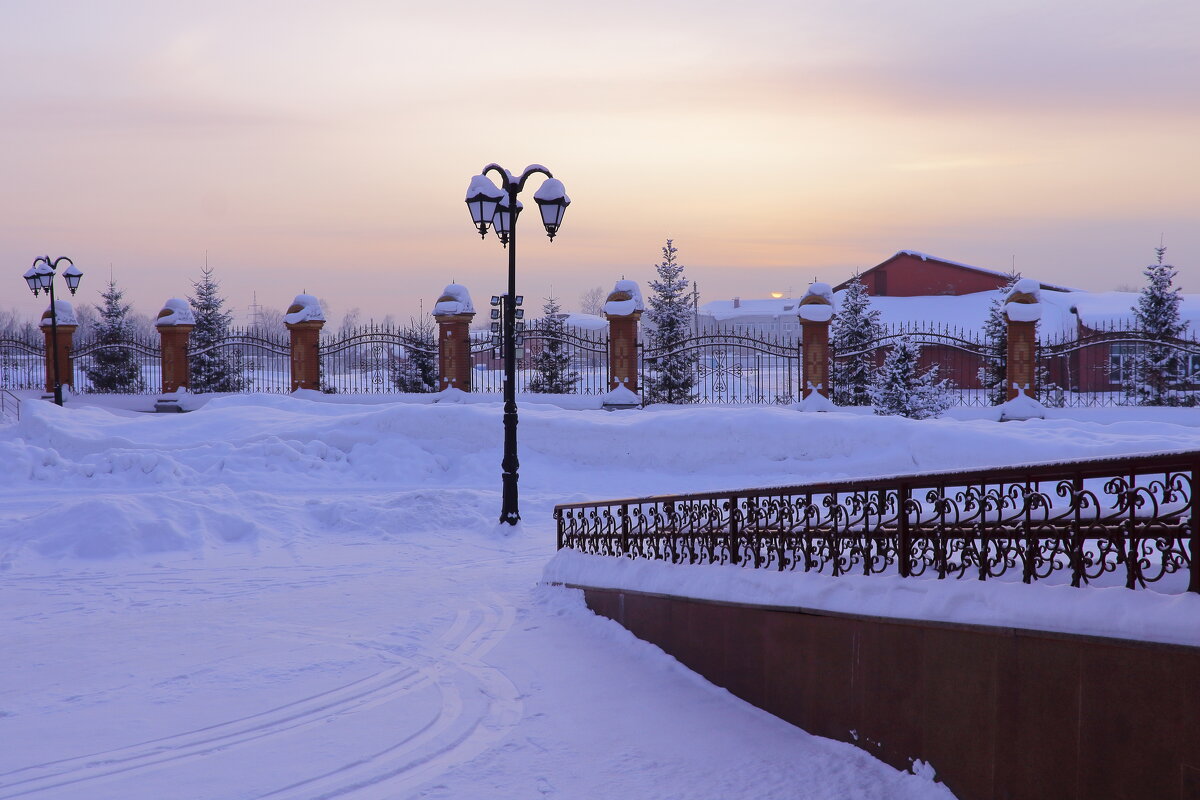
(40,278)
(498,207)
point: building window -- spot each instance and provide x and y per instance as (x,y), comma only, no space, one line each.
(1120,363)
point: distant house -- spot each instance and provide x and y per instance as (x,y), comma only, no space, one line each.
(909,273)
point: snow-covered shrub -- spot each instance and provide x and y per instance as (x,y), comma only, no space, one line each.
(553,363)
(900,389)
(855,327)
(1158,371)
(673,378)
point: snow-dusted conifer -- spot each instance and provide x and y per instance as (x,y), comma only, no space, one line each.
(553,363)
(674,377)
(900,389)
(114,367)
(994,372)
(1159,368)
(220,369)
(418,370)
(855,327)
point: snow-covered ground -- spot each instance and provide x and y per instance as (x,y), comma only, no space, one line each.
(278,597)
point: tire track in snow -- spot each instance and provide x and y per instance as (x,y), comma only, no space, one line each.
(447,742)
(369,692)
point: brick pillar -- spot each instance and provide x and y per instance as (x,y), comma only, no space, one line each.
(306,356)
(1022,358)
(814,371)
(454,351)
(175,372)
(816,310)
(1022,310)
(622,350)
(65,365)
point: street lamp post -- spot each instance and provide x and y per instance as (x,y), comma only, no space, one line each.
(40,277)
(497,206)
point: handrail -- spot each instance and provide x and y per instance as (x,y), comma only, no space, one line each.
(10,403)
(1089,517)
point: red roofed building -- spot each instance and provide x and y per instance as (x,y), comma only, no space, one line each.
(912,274)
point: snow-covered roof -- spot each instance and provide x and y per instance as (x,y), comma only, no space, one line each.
(176,312)
(968,312)
(586,322)
(66,314)
(305,308)
(1003,276)
(455,299)
(721,310)
(624,299)
(1108,309)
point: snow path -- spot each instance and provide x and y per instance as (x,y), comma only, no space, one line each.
(272,597)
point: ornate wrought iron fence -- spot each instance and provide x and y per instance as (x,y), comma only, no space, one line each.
(586,352)
(262,357)
(22,363)
(369,359)
(728,366)
(145,352)
(1133,520)
(958,353)
(1095,367)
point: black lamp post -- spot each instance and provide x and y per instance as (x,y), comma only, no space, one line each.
(40,277)
(498,206)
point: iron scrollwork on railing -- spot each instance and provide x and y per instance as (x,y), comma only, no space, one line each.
(1135,517)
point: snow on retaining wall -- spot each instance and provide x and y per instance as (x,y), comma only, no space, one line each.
(1113,612)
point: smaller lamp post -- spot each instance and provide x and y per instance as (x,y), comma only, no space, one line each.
(40,278)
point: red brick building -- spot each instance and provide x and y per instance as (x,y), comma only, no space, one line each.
(912,274)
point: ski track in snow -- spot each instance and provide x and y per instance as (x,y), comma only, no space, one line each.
(454,667)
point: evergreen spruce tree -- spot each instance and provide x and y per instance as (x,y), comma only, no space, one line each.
(994,372)
(114,367)
(418,370)
(1158,368)
(674,378)
(900,390)
(553,363)
(221,369)
(855,326)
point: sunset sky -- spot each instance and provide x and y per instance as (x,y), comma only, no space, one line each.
(327,146)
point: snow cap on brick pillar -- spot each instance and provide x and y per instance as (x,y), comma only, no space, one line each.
(453,312)
(1022,309)
(815,311)
(67,323)
(623,308)
(304,320)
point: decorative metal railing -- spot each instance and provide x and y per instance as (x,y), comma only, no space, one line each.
(584,354)
(260,358)
(129,365)
(728,366)
(22,363)
(1136,519)
(379,358)
(1096,366)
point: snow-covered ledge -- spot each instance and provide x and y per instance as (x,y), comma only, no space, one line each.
(1113,612)
(624,299)
(455,299)
(305,308)
(65,312)
(817,303)
(1024,301)
(175,312)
